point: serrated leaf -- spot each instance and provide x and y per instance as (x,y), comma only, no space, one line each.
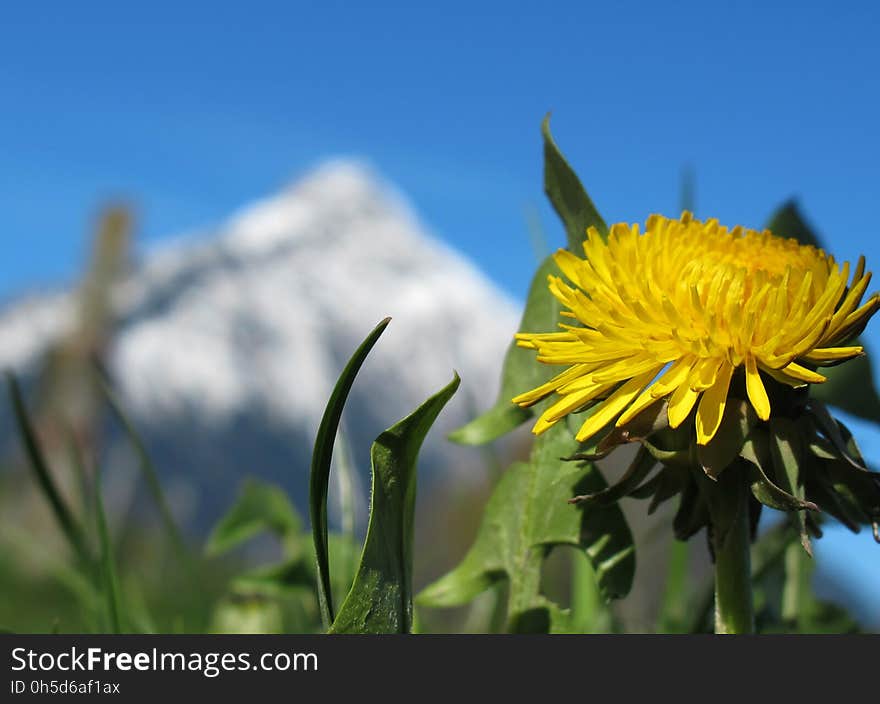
(527,515)
(602,532)
(319,476)
(850,386)
(260,507)
(567,194)
(380,600)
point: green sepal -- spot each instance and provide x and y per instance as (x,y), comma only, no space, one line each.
(651,420)
(737,422)
(692,514)
(671,481)
(640,467)
(762,476)
(840,438)
(788,456)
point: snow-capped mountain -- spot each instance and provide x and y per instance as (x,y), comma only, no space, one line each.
(227,344)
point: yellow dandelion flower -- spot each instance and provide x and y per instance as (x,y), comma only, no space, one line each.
(676,311)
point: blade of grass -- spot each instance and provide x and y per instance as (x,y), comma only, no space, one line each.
(319,478)
(109,580)
(148,470)
(83,485)
(38,465)
(107,583)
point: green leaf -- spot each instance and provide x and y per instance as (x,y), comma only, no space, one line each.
(380,601)
(275,580)
(567,195)
(850,386)
(527,515)
(37,462)
(319,478)
(260,507)
(589,612)
(788,221)
(109,579)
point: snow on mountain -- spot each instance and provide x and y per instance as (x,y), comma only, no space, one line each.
(228,343)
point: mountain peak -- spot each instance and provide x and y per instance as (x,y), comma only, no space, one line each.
(227,345)
(334,193)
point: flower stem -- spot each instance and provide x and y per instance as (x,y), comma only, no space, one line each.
(733,583)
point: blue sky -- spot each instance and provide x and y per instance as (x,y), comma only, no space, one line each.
(190,110)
